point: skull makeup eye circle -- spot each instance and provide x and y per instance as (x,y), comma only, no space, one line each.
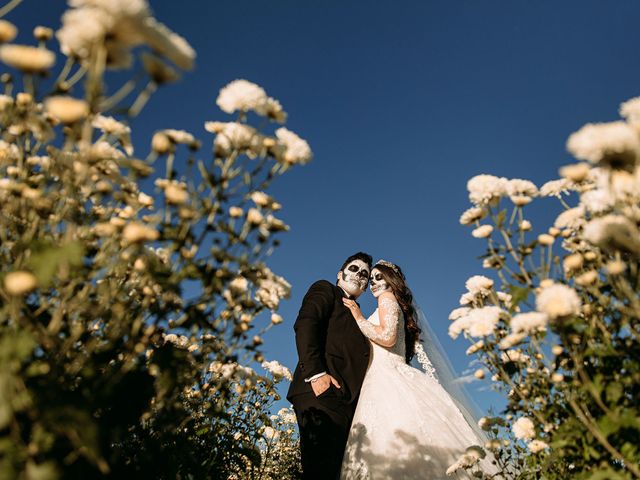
(353,268)
(376,276)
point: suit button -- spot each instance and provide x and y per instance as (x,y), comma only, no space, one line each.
(366,354)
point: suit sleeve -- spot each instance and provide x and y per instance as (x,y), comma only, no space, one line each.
(311,328)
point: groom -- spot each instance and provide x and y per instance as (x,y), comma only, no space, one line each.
(333,359)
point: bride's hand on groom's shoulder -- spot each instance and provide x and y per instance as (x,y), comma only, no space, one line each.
(355,309)
(322,384)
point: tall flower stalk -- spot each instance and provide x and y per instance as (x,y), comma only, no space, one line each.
(564,347)
(134,289)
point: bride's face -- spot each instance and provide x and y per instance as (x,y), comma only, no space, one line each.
(378,283)
(354,278)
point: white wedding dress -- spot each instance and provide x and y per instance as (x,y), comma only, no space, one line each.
(406,426)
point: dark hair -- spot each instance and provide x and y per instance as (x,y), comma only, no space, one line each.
(365,257)
(399,288)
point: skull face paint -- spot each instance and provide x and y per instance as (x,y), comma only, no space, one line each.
(354,278)
(378,283)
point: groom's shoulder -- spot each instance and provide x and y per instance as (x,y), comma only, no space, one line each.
(322,286)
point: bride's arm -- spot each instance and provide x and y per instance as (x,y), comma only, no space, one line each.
(389,312)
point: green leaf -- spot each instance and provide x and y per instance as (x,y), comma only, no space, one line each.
(518,294)
(46,258)
(607,474)
(614,392)
(500,218)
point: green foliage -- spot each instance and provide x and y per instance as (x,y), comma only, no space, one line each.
(129,320)
(565,349)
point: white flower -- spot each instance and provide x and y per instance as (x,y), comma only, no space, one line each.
(465,461)
(483,231)
(576,172)
(613,232)
(254,216)
(272,109)
(458,326)
(232,136)
(271,289)
(66,109)
(110,125)
(514,356)
(597,142)
(505,298)
(270,433)
(479,284)
(483,321)
(512,340)
(104,151)
(546,239)
(521,192)
(8,31)
(536,446)
(529,322)
(295,150)
(179,341)
(287,415)
(558,301)
(276,319)
(630,110)
(597,201)
(239,285)
(475,347)
(176,193)
(525,225)
(459,313)
(573,262)
(472,215)
(260,198)
(235,212)
(20,282)
(241,95)
(467,298)
(523,429)
(587,278)
(126,23)
(615,267)
(485,189)
(180,136)
(277,369)
(26,58)
(145,199)
(555,188)
(138,232)
(572,218)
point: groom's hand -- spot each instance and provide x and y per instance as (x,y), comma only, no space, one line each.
(321,384)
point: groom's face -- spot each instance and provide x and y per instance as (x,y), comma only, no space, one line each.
(354,277)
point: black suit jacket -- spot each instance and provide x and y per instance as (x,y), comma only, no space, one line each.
(328,339)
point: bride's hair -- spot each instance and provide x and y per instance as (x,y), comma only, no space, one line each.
(397,282)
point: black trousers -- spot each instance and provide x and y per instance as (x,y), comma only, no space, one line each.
(324,424)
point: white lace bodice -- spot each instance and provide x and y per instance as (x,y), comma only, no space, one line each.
(393,328)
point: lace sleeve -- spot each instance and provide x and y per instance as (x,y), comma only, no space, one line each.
(384,334)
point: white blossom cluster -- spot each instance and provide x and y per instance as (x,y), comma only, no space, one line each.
(241,95)
(271,289)
(120,25)
(277,369)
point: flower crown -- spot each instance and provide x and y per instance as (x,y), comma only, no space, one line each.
(390,265)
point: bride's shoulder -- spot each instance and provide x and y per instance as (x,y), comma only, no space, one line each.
(386,299)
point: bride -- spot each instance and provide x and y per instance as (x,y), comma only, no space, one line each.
(406,425)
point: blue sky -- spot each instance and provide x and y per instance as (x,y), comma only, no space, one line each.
(401,102)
